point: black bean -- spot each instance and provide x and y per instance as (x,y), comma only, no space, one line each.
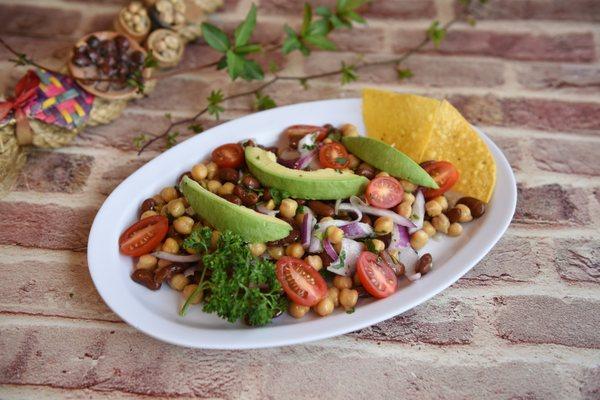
(228,175)
(145,277)
(232,198)
(148,204)
(424,264)
(250,182)
(366,170)
(321,209)
(476,206)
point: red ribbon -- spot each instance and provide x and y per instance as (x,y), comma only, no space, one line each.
(25,91)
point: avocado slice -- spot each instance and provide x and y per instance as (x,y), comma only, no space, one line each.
(223,215)
(386,158)
(323,184)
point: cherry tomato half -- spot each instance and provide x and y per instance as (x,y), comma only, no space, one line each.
(229,155)
(302,283)
(334,155)
(384,192)
(143,236)
(445,175)
(297,132)
(375,275)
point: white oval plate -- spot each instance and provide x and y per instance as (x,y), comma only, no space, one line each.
(155,313)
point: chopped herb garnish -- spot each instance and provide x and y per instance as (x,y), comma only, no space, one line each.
(341,160)
(309,146)
(370,246)
(278,195)
(350,310)
(300,209)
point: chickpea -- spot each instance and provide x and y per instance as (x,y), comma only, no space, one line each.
(324,307)
(213,186)
(295,250)
(428,228)
(187,292)
(158,200)
(382,173)
(378,245)
(327,141)
(348,298)
(455,229)
(199,172)
(334,294)
(408,198)
(408,187)
(288,207)
(211,170)
(299,218)
(164,263)
(168,194)
(214,238)
(433,208)
(178,282)
(353,161)
(383,225)
(276,252)
(226,188)
(334,234)
(342,282)
(149,213)
(314,261)
(418,239)
(257,249)
(176,207)
(270,205)
(147,261)
(297,310)
(465,213)
(170,246)
(441,223)
(183,225)
(442,202)
(349,130)
(325,219)
(404,209)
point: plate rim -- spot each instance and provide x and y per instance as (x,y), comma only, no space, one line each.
(94,250)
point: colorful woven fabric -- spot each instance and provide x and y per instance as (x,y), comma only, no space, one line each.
(60,101)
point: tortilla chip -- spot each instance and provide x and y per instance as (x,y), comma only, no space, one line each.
(453,139)
(430,129)
(404,121)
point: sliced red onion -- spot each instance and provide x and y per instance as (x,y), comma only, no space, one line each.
(304,161)
(264,210)
(288,158)
(351,208)
(319,233)
(308,143)
(409,257)
(357,230)
(346,263)
(398,219)
(400,238)
(328,247)
(336,208)
(308,223)
(390,261)
(163,255)
(418,212)
(287,163)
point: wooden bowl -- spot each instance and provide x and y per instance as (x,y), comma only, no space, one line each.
(81,73)
(122,26)
(153,40)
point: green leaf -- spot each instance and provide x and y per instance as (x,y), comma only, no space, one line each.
(354,4)
(404,73)
(323,11)
(243,32)
(252,71)
(140,140)
(235,64)
(196,128)
(248,49)
(353,16)
(341,5)
(215,37)
(222,63)
(337,22)
(291,42)
(306,18)
(215,98)
(436,33)
(150,61)
(348,73)
(321,42)
(264,102)
(319,27)
(172,139)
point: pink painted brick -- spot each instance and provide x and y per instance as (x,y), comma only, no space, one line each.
(113,359)
(550,115)
(400,9)
(49,51)
(47,171)
(52,289)
(38,20)
(513,259)
(576,10)
(567,78)
(47,226)
(290,6)
(578,260)
(566,156)
(544,319)
(436,322)
(551,205)
(175,93)
(511,147)
(118,173)
(361,39)
(575,47)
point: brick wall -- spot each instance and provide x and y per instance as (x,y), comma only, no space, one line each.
(523,324)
